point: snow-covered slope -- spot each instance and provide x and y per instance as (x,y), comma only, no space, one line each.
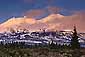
(51,22)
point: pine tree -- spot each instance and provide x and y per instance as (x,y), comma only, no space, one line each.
(52,45)
(74,41)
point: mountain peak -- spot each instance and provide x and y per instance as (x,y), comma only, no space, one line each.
(52,17)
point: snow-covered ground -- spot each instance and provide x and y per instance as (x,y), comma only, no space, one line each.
(40,38)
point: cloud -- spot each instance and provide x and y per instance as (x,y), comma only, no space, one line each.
(53,9)
(35,13)
(39,13)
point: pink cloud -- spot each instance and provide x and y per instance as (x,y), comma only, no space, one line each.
(53,9)
(41,12)
(34,13)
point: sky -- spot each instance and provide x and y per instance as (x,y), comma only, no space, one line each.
(18,8)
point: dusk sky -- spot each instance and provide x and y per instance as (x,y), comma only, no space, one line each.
(17,8)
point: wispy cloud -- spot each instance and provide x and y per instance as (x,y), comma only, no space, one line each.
(39,13)
(35,13)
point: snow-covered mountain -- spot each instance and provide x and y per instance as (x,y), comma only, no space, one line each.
(31,23)
(51,23)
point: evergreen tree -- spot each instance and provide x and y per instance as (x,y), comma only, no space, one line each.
(53,45)
(74,41)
